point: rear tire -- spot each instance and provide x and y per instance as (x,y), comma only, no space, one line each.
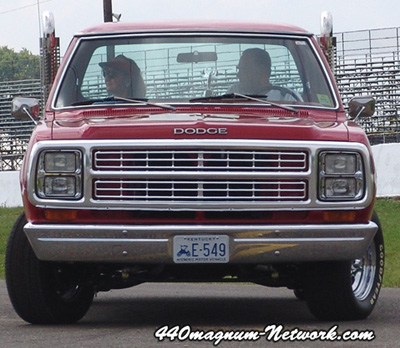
(347,290)
(44,292)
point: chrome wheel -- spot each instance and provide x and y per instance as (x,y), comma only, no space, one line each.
(363,273)
(347,290)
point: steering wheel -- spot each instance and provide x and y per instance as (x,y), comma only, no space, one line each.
(282,90)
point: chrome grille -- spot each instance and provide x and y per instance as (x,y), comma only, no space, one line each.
(229,186)
(187,177)
(200,190)
(188,160)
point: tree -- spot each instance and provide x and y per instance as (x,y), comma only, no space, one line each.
(21,65)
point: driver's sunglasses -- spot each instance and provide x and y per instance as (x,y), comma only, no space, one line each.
(110,73)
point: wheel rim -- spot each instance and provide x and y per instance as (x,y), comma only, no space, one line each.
(363,273)
(68,283)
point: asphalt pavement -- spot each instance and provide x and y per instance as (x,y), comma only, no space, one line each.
(203,315)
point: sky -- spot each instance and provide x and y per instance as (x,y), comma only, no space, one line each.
(21,27)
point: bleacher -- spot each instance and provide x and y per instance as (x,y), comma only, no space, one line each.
(14,134)
(367,62)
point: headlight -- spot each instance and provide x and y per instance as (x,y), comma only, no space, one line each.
(60,162)
(59,174)
(341,176)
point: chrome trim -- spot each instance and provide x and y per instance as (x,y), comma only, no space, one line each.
(153,243)
(357,175)
(42,174)
(297,240)
(204,191)
(179,160)
(312,148)
(99,240)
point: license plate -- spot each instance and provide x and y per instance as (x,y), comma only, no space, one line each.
(201,249)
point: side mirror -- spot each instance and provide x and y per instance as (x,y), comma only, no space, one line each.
(361,107)
(25,109)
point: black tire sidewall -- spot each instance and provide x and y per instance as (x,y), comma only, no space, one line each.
(380,265)
(31,288)
(328,286)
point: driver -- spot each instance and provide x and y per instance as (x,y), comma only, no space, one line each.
(254,71)
(123,78)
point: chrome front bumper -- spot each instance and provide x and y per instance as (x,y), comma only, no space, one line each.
(153,243)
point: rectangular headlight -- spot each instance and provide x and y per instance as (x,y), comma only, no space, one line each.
(57,186)
(336,163)
(59,174)
(60,162)
(340,188)
(341,176)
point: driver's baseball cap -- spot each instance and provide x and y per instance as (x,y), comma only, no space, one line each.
(120,63)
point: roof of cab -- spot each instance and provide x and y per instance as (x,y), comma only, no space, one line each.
(192,26)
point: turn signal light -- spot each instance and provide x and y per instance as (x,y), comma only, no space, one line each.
(339,216)
(60,215)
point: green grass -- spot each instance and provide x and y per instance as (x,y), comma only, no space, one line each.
(388,211)
(7,218)
(389,214)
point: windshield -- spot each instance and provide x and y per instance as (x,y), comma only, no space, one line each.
(188,68)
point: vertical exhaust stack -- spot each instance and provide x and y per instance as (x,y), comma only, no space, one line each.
(49,53)
(326,40)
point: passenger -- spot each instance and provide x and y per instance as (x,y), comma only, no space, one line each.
(254,72)
(123,78)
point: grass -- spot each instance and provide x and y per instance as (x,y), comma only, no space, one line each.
(7,218)
(388,211)
(389,215)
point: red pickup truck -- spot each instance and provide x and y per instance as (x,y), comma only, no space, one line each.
(181,152)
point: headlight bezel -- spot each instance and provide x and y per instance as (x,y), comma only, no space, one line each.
(341,176)
(59,174)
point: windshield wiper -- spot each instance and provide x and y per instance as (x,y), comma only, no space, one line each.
(142,101)
(256,98)
(214,97)
(128,100)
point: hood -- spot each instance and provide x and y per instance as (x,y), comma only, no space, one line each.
(197,126)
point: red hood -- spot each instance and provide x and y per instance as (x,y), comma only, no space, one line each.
(278,126)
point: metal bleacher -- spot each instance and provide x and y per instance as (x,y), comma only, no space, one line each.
(368,63)
(14,135)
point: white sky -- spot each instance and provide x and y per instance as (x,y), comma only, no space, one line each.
(19,19)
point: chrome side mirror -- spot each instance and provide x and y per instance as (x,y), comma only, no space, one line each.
(361,107)
(25,109)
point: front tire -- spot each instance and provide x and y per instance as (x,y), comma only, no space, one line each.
(347,290)
(44,292)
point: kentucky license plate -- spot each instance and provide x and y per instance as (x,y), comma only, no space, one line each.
(201,249)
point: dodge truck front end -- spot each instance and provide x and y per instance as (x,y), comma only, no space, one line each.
(207,152)
(195,187)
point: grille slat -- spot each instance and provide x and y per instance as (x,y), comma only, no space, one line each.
(210,190)
(193,160)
